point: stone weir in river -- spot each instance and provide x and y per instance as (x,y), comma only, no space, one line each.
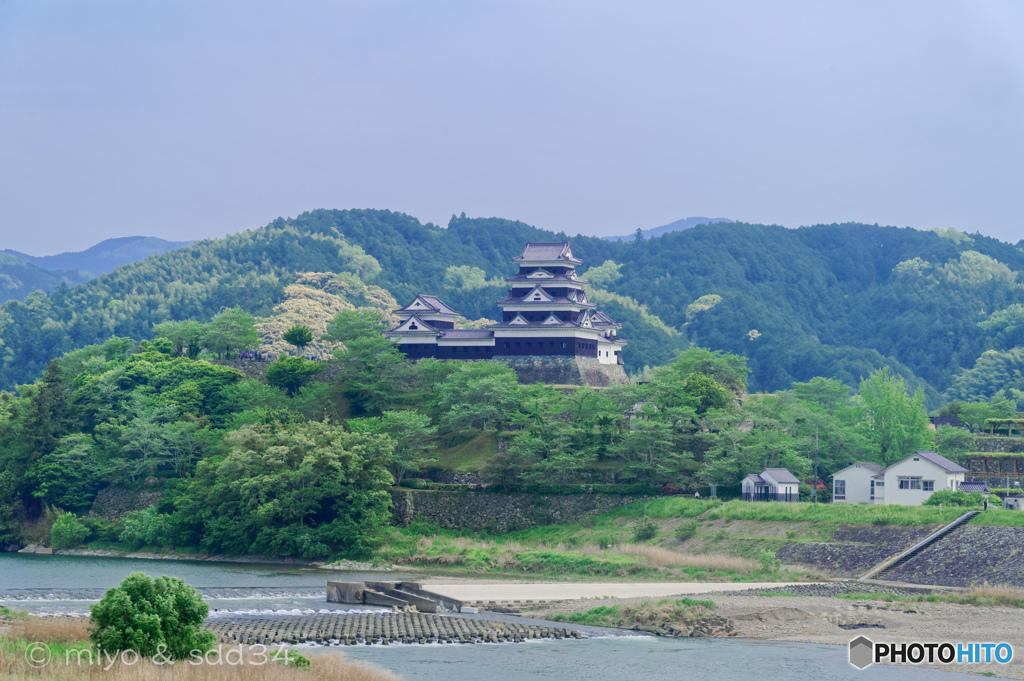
(352,628)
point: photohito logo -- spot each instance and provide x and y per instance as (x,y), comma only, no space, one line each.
(864,652)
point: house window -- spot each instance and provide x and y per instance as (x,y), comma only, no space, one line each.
(929,485)
(839,490)
(506,344)
(910,483)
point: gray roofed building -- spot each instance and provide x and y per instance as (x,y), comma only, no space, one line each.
(547,251)
(781,475)
(941,462)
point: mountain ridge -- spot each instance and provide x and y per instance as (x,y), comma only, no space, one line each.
(677,226)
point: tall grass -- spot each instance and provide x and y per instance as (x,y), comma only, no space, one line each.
(64,634)
(843,514)
(657,555)
(1000,518)
(644,613)
(986,595)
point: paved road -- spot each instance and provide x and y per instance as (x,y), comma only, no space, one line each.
(559,591)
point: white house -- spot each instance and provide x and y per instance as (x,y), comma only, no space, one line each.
(854,484)
(773,484)
(908,482)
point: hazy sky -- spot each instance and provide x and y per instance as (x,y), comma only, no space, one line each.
(194,119)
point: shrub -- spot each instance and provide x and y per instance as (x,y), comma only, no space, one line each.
(645,530)
(144,528)
(768,561)
(161,616)
(958,498)
(67,532)
(686,529)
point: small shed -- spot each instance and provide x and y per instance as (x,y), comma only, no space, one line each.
(1013,502)
(974,486)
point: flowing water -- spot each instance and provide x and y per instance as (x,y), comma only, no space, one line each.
(69,584)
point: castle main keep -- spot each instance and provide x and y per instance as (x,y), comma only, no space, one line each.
(549,332)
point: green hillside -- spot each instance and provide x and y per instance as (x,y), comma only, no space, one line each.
(18,278)
(829,300)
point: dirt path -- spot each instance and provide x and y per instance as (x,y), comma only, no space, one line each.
(817,619)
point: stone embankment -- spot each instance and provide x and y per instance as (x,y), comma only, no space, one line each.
(499,513)
(970,555)
(854,549)
(375,628)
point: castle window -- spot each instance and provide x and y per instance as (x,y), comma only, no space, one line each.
(563,345)
(476,349)
(413,327)
(529,344)
(506,344)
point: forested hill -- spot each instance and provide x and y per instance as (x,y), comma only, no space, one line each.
(829,300)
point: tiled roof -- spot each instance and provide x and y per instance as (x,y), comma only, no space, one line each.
(467,333)
(423,326)
(560,300)
(781,475)
(972,486)
(558,277)
(438,304)
(941,462)
(536,325)
(754,477)
(541,250)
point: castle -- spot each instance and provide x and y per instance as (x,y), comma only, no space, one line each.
(549,332)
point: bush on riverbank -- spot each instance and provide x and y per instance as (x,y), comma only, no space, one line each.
(643,614)
(162,616)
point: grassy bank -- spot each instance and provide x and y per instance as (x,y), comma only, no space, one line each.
(688,539)
(60,650)
(643,614)
(986,596)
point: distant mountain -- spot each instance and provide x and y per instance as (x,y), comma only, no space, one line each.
(104,256)
(19,278)
(677,226)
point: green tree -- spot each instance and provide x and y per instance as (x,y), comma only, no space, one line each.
(162,616)
(8,508)
(66,532)
(479,395)
(897,423)
(298,335)
(49,415)
(231,330)
(311,490)
(291,373)
(351,325)
(187,336)
(410,431)
(66,477)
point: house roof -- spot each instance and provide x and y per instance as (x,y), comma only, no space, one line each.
(558,277)
(781,475)
(754,477)
(972,486)
(940,461)
(435,304)
(873,467)
(545,250)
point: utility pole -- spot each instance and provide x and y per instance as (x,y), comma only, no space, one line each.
(814,489)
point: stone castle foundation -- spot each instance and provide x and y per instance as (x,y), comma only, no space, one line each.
(564,370)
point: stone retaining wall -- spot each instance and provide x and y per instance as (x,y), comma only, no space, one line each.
(498,513)
(113,502)
(554,369)
(969,555)
(998,444)
(983,468)
(854,549)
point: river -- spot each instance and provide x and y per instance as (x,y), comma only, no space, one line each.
(69,584)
